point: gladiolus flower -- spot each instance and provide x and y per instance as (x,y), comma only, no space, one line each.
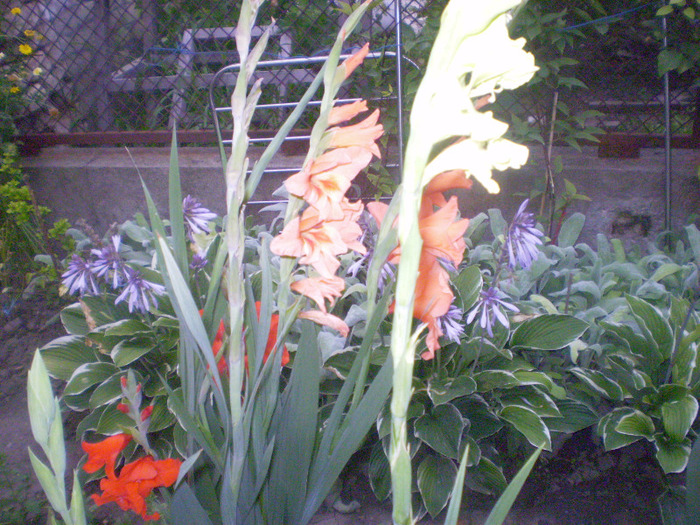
(326,319)
(324,182)
(25,49)
(363,134)
(316,242)
(351,63)
(104,453)
(319,289)
(340,114)
(135,482)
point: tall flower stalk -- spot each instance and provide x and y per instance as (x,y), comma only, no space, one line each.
(472,58)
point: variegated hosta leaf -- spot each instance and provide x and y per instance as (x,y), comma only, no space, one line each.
(678,416)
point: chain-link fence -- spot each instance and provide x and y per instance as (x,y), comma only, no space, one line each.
(125,65)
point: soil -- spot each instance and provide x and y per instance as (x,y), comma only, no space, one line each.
(580,484)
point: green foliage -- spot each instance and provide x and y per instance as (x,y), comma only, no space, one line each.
(682,54)
(16,507)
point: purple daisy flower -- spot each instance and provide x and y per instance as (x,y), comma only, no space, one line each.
(523,238)
(80,277)
(139,292)
(490,305)
(109,261)
(197,217)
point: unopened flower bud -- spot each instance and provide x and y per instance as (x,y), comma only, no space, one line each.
(146,412)
(123,408)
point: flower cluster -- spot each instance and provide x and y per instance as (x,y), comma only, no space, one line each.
(107,264)
(443,247)
(135,481)
(329,227)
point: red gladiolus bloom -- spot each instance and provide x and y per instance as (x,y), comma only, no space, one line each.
(135,482)
(104,453)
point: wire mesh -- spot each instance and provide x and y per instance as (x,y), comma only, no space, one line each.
(127,65)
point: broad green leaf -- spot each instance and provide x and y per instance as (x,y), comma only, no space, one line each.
(575,416)
(664,271)
(529,424)
(64,354)
(88,375)
(491,379)
(694,237)
(445,390)
(672,505)
(482,421)
(379,472)
(678,416)
(435,477)
(127,351)
(112,421)
(498,224)
(468,284)
(672,456)
(535,400)
(636,424)
(486,477)
(600,383)
(110,390)
(548,332)
(527,377)
(73,320)
(441,429)
(612,439)
(570,230)
(651,320)
(161,417)
(500,510)
(127,327)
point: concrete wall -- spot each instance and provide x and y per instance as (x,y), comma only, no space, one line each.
(102,186)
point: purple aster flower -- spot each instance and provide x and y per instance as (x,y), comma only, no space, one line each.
(80,277)
(109,261)
(139,292)
(197,217)
(523,238)
(490,305)
(451,323)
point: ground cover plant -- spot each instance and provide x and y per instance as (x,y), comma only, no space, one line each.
(236,369)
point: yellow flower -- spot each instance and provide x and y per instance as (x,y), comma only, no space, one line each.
(25,49)
(29,33)
(37,71)
(16,11)
(14,89)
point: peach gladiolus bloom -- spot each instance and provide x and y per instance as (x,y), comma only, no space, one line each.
(433,299)
(324,182)
(340,114)
(104,453)
(351,63)
(326,319)
(135,482)
(319,289)
(363,134)
(318,242)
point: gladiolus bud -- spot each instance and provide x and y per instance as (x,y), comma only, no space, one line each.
(146,412)
(123,408)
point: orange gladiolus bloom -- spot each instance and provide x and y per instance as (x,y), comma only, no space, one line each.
(340,114)
(135,482)
(271,338)
(443,238)
(104,453)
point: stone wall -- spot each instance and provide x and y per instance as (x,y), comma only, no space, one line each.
(102,186)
